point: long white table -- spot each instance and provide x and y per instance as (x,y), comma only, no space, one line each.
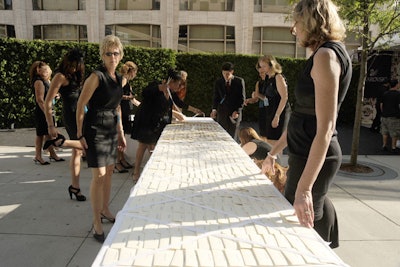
(201,201)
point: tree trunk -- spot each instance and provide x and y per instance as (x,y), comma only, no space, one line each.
(360,93)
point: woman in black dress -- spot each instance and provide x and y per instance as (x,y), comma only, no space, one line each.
(39,74)
(68,82)
(128,71)
(154,113)
(100,130)
(314,151)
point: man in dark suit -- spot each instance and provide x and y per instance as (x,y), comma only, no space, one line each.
(229,96)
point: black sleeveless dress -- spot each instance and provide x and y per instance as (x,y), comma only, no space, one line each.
(69,95)
(40,118)
(126,110)
(100,123)
(301,131)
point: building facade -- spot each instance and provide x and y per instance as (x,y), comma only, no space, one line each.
(228,26)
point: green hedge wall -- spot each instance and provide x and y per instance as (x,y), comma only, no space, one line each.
(17,100)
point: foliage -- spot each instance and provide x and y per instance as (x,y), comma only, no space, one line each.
(16,94)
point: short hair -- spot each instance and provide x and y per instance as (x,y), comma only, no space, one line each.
(321,21)
(111,41)
(228,66)
(393,83)
(74,55)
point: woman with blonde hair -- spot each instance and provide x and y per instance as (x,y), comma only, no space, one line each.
(272,97)
(314,151)
(102,131)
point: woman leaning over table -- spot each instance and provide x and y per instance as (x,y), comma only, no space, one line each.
(313,148)
(100,130)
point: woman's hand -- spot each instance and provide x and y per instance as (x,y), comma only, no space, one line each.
(121,142)
(268,165)
(275,122)
(52,130)
(303,206)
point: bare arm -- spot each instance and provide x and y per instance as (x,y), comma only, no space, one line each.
(282,90)
(90,85)
(58,81)
(39,94)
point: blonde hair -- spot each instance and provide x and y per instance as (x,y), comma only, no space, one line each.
(127,67)
(111,41)
(321,21)
(272,62)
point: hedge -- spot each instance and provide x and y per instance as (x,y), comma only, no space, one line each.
(17,100)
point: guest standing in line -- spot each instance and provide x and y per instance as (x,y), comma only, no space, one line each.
(313,148)
(39,74)
(100,130)
(154,113)
(128,71)
(258,96)
(229,96)
(68,82)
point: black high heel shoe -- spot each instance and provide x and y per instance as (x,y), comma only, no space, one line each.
(76,191)
(104,217)
(40,162)
(125,164)
(120,170)
(53,142)
(57,160)
(99,237)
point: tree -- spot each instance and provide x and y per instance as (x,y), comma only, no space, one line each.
(361,16)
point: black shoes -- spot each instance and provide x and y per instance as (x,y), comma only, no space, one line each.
(125,164)
(120,169)
(40,162)
(76,191)
(99,237)
(57,160)
(104,217)
(58,142)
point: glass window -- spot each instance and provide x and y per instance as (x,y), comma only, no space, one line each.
(58,4)
(132,4)
(276,41)
(206,38)
(77,33)
(7,31)
(206,5)
(5,4)
(137,34)
(272,6)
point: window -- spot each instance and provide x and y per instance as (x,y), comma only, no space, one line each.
(277,41)
(58,4)
(132,4)
(77,33)
(206,38)
(7,31)
(205,5)
(137,34)
(5,4)
(272,6)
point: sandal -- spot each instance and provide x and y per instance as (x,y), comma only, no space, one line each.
(53,142)
(125,164)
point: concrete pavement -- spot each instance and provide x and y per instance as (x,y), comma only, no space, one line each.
(41,226)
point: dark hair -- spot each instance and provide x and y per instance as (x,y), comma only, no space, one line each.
(228,66)
(73,59)
(174,75)
(393,83)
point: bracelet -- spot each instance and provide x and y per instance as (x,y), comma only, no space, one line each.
(51,126)
(276,115)
(272,156)
(79,138)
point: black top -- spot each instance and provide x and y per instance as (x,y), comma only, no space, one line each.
(390,104)
(262,149)
(305,90)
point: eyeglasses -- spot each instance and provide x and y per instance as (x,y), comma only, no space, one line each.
(109,54)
